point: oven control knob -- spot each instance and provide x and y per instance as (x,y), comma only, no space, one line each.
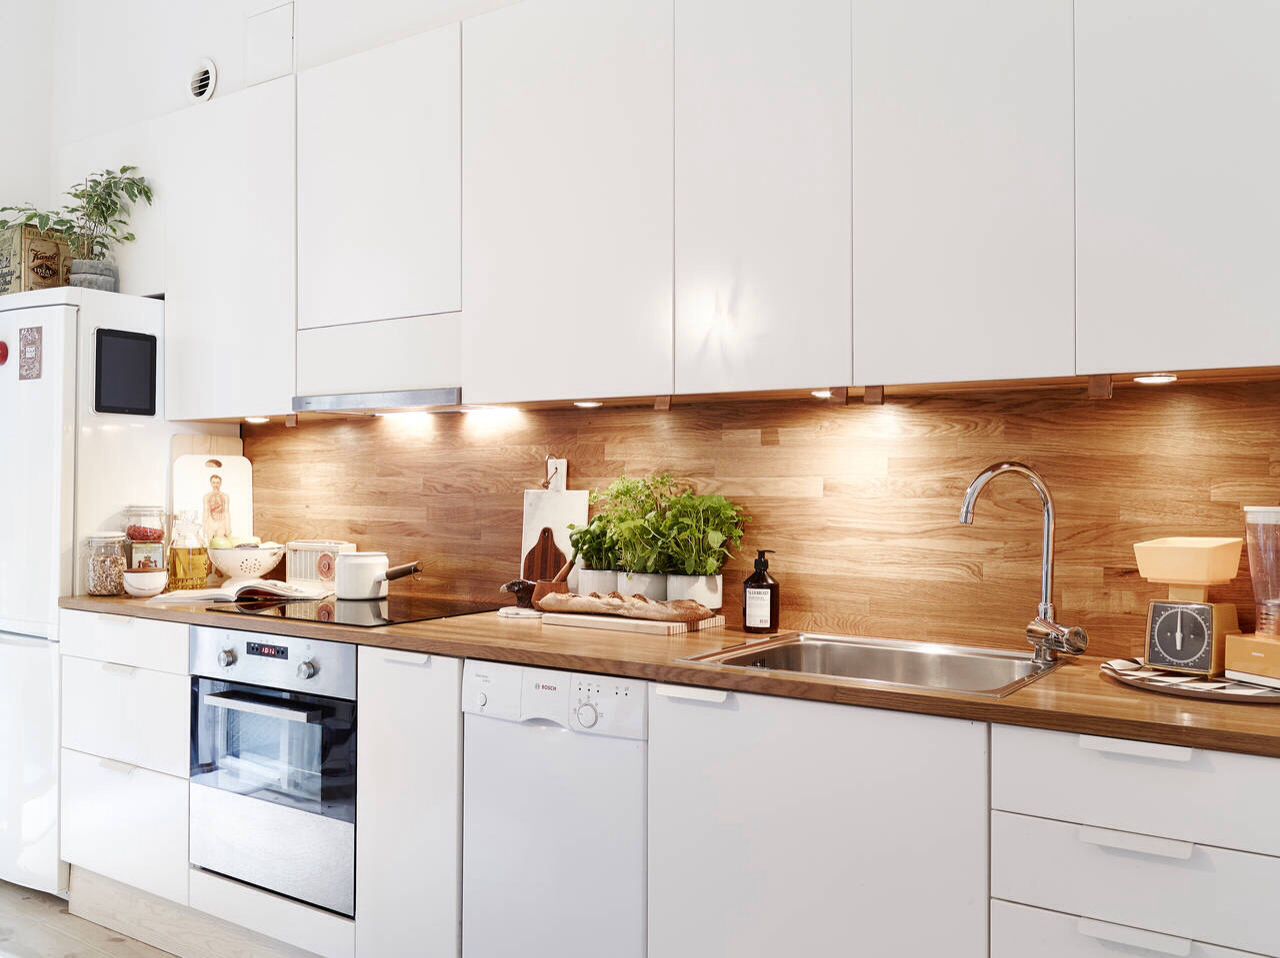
(588,715)
(227,658)
(307,669)
(482,700)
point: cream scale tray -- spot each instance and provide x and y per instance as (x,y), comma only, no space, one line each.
(1136,673)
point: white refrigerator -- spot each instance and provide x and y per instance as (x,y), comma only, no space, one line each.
(66,469)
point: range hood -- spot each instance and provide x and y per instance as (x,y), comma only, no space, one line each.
(369,403)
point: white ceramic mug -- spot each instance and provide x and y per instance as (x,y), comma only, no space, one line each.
(364,575)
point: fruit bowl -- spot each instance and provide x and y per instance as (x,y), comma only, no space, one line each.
(250,563)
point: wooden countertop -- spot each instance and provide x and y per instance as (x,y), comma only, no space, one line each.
(1073,698)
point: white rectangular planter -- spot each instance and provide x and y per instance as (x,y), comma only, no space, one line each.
(650,585)
(707,589)
(602,581)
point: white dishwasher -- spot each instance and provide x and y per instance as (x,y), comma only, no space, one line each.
(553,829)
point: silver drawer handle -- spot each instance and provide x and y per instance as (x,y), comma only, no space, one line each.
(692,693)
(111,618)
(1124,746)
(415,663)
(1136,937)
(1133,842)
(282,712)
(121,669)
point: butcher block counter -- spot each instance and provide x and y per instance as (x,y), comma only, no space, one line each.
(1073,698)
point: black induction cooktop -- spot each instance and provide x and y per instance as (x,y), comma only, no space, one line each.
(364,613)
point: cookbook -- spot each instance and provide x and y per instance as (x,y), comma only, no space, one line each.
(236,589)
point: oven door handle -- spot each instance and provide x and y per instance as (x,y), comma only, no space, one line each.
(283,712)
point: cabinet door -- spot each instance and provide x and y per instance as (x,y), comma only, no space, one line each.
(782,827)
(229,313)
(763,259)
(1178,204)
(408,839)
(962,190)
(567,187)
(379,189)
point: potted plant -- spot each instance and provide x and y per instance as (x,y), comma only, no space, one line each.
(95,220)
(594,545)
(635,510)
(701,533)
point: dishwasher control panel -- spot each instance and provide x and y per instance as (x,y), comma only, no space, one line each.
(593,704)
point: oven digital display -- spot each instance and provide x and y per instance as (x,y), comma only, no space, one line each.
(267,651)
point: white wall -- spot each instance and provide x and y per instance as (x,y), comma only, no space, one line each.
(26,76)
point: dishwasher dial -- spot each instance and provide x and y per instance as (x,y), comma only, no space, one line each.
(482,700)
(307,669)
(227,658)
(587,715)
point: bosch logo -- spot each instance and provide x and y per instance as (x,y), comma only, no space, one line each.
(544,687)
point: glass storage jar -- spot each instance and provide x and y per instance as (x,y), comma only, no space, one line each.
(147,529)
(105,563)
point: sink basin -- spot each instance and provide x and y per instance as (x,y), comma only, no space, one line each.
(922,665)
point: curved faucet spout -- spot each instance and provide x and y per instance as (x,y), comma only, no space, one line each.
(1045,612)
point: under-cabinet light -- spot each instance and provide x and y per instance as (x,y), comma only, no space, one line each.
(1156,379)
(821,394)
(257,420)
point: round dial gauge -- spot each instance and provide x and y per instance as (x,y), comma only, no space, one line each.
(1181,634)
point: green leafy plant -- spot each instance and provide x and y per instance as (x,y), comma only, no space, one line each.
(97,217)
(595,544)
(701,532)
(634,511)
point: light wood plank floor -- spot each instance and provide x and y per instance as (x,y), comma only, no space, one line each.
(35,925)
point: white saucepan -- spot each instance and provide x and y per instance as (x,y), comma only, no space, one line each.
(364,575)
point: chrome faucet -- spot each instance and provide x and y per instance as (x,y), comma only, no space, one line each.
(1047,636)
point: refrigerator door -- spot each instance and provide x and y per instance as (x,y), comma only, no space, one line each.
(37,458)
(29,760)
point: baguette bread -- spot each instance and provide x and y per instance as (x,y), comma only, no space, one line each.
(628,606)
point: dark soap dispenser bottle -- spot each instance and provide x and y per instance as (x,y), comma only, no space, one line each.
(760,598)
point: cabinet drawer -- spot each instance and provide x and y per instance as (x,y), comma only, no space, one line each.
(1018,931)
(126,640)
(1138,787)
(126,713)
(126,823)
(1177,888)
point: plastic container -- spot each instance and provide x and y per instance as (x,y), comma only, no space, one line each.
(1262,529)
(1189,560)
(105,563)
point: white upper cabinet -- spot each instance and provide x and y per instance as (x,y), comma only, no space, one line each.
(962,190)
(567,192)
(230,322)
(762,195)
(1178,203)
(379,183)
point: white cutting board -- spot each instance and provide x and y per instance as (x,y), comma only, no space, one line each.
(192,475)
(545,509)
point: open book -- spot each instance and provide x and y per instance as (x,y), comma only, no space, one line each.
(234,589)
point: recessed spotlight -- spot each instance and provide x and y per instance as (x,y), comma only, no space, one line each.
(1156,379)
(821,394)
(588,404)
(257,420)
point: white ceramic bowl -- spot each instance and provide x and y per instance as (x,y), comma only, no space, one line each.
(144,583)
(246,563)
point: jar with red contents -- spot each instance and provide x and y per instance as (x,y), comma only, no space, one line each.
(147,530)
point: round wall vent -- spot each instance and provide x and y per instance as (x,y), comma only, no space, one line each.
(203,79)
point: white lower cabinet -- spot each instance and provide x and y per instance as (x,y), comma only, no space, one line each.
(1019,932)
(784,827)
(409,808)
(1161,884)
(125,822)
(128,714)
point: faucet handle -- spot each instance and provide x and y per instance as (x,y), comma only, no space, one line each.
(1052,637)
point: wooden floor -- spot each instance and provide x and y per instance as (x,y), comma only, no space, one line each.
(35,925)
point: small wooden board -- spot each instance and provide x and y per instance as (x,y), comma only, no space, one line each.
(617,623)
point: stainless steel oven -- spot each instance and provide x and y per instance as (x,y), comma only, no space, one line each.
(273,763)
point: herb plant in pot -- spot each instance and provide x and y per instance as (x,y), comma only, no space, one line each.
(95,220)
(594,546)
(635,510)
(701,533)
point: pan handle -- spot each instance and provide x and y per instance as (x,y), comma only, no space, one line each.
(400,571)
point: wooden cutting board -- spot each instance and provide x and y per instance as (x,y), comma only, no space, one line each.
(545,559)
(616,623)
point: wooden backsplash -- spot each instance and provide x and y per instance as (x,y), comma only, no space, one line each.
(860,502)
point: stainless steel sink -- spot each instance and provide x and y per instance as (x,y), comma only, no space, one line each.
(924,665)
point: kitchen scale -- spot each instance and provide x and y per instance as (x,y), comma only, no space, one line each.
(1186,632)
